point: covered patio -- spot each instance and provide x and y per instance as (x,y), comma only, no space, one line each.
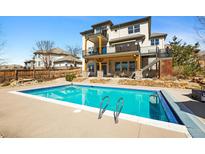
(113,64)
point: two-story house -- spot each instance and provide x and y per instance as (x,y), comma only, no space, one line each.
(57,57)
(116,50)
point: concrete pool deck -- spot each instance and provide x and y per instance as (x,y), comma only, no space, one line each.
(27,117)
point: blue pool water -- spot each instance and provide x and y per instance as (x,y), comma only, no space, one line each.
(136,102)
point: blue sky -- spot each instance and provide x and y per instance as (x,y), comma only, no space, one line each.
(21,33)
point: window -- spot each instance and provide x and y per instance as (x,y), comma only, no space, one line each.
(124,66)
(97,30)
(100,29)
(117,66)
(39,64)
(155,41)
(134,29)
(152,41)
(131,66)
(130,29)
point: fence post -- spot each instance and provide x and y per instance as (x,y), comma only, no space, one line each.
(4,75)
(16,74)
(34,73)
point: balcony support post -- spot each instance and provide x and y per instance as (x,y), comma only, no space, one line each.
(139,63)
(100,44)
(86,46)
(85,66)
(100,66)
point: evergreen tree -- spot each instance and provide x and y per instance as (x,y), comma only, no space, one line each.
(185,58)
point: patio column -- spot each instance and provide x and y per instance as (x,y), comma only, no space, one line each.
(100,66)
(139,63)
(85,46)
(100,44)
(136,64)
(85,66)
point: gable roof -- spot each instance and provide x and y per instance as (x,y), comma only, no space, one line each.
(69,58)
(54,51)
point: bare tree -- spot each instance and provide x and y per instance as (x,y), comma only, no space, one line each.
(74,50)
(2,44)
(201,28)
(44,48)
(2,60)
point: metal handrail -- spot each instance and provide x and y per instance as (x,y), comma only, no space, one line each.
(103,109)
(118,109)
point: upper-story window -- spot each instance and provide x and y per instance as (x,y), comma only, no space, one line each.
(100,29)
(130,29)
(97,30)
(134,29)
(155,41)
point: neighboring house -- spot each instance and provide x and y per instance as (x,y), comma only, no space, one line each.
(29,64)
(202,59)
(53,56)
(68,62)
(10,67)
(129,47)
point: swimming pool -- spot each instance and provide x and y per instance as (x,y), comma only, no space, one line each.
(136,102)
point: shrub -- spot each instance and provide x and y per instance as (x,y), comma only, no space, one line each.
(6,83)
(70,77)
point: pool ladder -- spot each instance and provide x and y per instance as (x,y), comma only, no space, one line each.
(103,109)
(118,109)
(119,106)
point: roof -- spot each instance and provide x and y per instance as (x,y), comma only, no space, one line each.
(29,61)
(127,38)
(131,22)
(69,58)
(87,32)
(9,67)
(107,22)
(55,51)
(153,35)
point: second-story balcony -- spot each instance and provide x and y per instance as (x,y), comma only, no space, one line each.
(146,50)
(109,50)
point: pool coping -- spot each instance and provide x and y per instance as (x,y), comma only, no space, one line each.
(195,127)
(79,108)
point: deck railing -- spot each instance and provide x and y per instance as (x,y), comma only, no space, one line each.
(154,50)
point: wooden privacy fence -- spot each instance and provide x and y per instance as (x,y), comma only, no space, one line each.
(7,75)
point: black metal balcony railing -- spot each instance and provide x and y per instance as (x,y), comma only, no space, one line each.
(113,49)
(96,51)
